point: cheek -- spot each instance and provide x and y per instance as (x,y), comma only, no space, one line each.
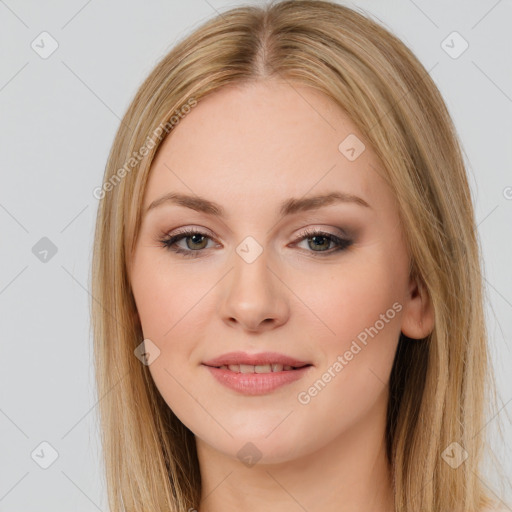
(360,312)
(170,300)
(349,299)
(167,295)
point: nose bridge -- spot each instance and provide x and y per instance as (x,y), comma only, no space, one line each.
(253,295)
(251,274)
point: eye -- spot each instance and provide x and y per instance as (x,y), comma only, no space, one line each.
(196,241)
(321,240)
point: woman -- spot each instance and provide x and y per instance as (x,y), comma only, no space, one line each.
(289,305)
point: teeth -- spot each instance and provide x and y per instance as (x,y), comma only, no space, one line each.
(260,368)
(246,368)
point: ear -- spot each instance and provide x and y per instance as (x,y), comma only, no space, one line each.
(418,315)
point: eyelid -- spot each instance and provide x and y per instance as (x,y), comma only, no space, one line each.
(188,229)
(336,231)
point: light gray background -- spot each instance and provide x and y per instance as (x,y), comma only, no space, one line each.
(58,119)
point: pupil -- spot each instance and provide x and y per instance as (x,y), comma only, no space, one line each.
(316,238)
(194,238)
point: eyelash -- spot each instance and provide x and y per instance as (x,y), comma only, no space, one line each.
(169,241)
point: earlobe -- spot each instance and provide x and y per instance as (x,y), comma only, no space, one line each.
(418,315)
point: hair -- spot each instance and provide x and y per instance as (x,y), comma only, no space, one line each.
(439,385)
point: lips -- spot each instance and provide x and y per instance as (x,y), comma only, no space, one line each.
(257,383)
(263,362)
(256,374)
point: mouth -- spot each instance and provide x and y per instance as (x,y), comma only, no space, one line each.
(263,362)
(256,374)
(260,368)
(249,381)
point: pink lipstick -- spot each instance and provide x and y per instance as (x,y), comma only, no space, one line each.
(256,374)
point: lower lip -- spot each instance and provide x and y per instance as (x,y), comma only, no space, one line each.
(256,383)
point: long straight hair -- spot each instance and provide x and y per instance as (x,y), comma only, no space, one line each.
(439,385)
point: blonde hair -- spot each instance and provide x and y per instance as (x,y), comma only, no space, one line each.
(438,384)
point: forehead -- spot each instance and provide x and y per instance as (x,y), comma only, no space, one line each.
(265,140)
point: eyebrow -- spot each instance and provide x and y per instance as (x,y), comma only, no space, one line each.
(288,207)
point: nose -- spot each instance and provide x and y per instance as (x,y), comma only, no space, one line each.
(254,296)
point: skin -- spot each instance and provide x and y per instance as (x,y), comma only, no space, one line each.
(249,148)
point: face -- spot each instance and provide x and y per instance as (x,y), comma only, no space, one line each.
(263,267)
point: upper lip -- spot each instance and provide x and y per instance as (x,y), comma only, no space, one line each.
(254,359)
